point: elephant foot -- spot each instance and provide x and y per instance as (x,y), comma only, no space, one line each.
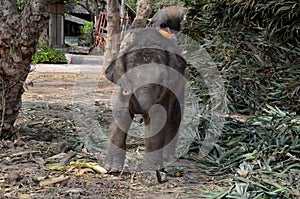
(150,177)
(169,158)
(153,161)
(114,160)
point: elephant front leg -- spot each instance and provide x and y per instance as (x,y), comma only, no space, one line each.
(114,160)
(161,136)
(171,137)
(153,158)
(175,114)
(155,127)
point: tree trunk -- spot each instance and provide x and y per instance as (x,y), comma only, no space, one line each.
(113,31)
(19,33)
(143,11)
(144,8)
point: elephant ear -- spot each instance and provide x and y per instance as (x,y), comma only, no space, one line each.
(109,72)
(115,70)
(177,62)
(181,63)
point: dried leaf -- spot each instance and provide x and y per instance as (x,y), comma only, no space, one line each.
(54,180)
(96,167)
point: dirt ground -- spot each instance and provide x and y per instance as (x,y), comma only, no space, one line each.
(62,130)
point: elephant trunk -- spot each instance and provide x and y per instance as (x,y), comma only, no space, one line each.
(145,97)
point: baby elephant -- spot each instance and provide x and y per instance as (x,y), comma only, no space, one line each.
(150,73)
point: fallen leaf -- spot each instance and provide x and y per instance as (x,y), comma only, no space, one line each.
(24,196)
(54,180)
(81,172)
(57,156)
(90,165)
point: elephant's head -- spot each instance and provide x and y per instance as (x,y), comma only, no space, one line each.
(144,72)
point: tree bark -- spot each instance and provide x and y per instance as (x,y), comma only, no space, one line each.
(113,31)
(143,11)
(144,8)
(19,33)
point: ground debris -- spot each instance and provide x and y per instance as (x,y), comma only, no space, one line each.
(37,165)
(53,180)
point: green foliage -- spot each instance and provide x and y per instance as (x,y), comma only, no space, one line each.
(131,3)
(159,4)
(22,4)
(165,3)
(86,33)
(191,3)
(45,54)
(87,28)
(256,46)
(261,157)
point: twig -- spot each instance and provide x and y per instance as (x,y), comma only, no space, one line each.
(3,106)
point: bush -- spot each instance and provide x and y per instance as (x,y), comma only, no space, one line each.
(86,34)
(256,46)
(45,54)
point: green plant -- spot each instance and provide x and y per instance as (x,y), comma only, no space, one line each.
(45,54)
(86,33)
(165,3)
(256,46)
(260,157)
(131,3)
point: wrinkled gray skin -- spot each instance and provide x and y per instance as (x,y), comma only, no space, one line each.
(171,16)
(148,63)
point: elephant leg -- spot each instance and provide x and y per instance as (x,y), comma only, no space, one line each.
(114,160)
(171,134)
(161,138)
(154,140)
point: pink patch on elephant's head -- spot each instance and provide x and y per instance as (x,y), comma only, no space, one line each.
(126,91)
